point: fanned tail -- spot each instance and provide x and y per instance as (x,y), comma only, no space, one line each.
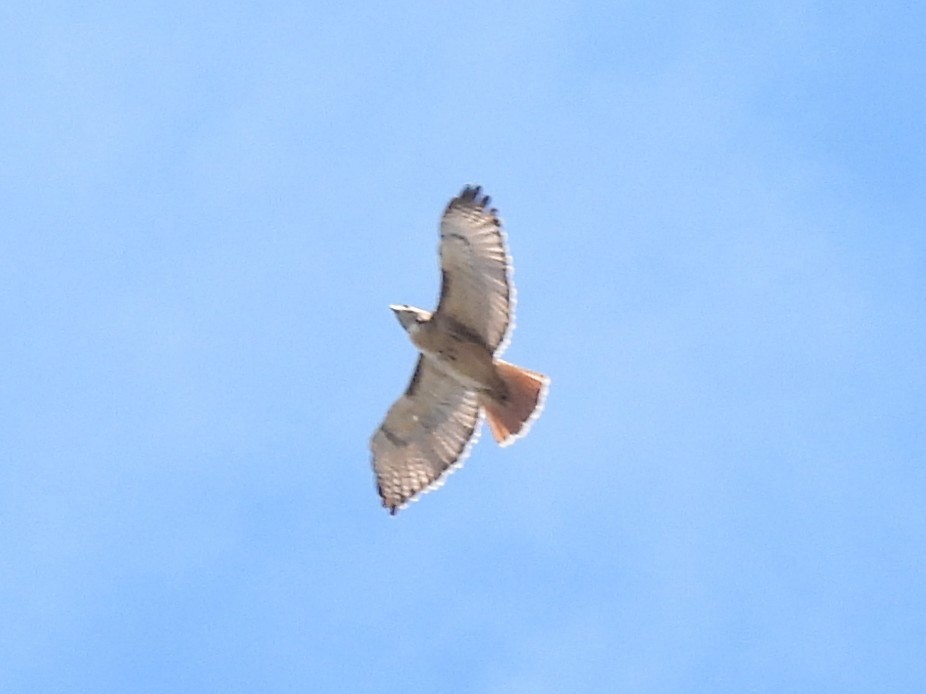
(510,417)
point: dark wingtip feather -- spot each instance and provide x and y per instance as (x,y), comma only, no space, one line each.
(470,191)
(473,193)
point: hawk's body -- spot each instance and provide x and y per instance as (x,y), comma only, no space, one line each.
(460,352)
(430,428)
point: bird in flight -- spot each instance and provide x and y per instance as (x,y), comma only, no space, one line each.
(459,378)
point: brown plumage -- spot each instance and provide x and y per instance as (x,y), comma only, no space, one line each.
(429,430)
(510,411)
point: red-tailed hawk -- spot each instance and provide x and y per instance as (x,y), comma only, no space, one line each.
(429,430)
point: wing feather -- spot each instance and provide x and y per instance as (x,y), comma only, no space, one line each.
(426,434)
(476,288)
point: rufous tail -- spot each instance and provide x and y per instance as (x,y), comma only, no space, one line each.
(509,418)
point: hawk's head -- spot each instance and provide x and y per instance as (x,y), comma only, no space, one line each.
(409,316)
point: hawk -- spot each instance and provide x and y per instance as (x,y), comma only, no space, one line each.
(430,429)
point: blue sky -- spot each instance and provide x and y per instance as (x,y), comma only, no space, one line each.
(716,215)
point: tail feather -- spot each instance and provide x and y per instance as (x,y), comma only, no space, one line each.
(510,418)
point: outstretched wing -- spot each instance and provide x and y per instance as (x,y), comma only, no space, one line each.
(476,288)
(426,433)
